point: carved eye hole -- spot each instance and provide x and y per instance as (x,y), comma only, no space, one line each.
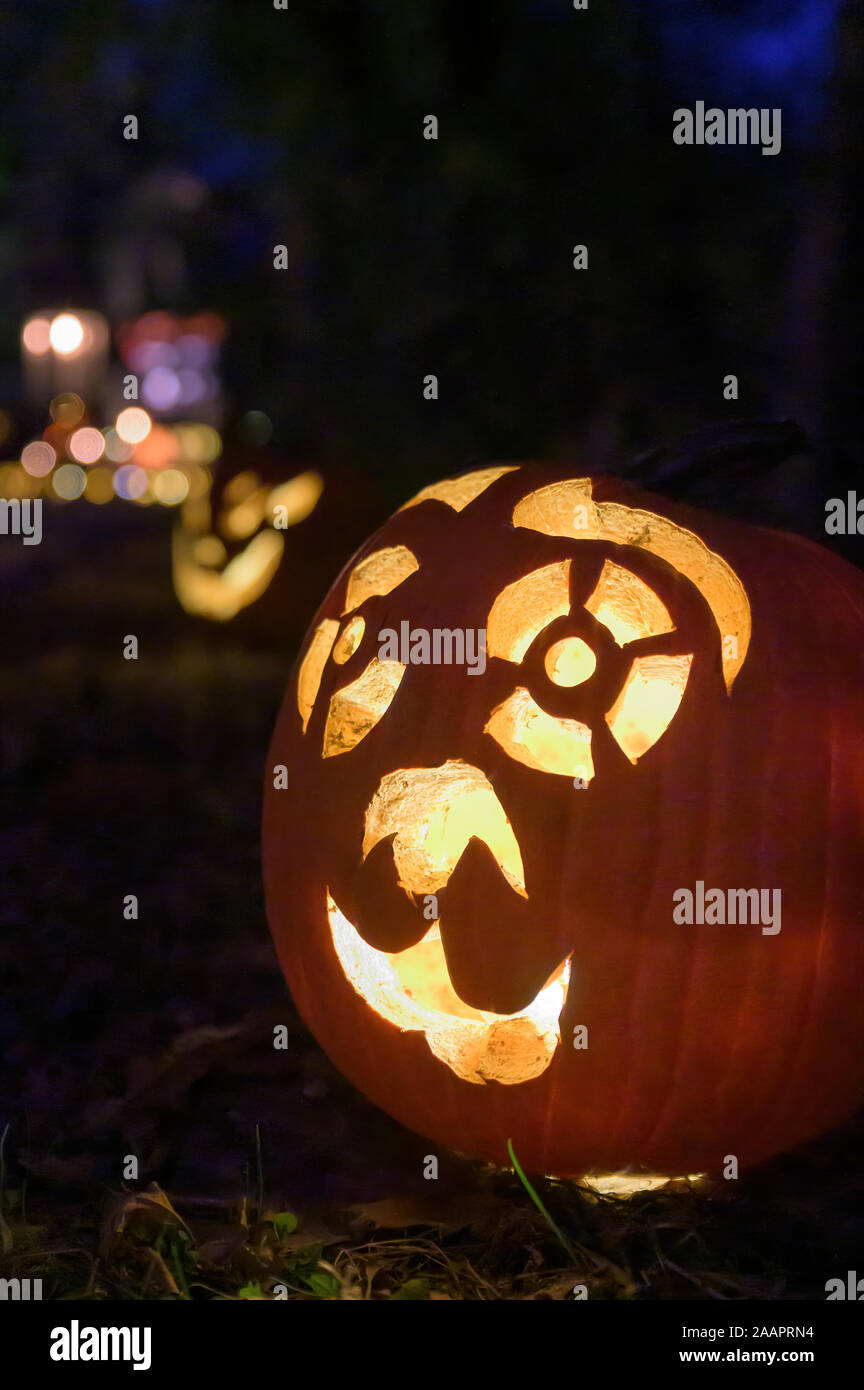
(624,604)
(349,640)
(524,608)
(356,708)
(379,573)
(648,702)
(567,509)
(570,662)
(312,667)
(631,611)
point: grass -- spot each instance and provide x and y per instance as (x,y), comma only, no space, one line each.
(504,1237)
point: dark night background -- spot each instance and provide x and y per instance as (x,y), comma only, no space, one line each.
(303,127)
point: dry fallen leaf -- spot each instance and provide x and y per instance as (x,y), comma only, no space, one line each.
(141,1214)
(452,1212)
(313,1233)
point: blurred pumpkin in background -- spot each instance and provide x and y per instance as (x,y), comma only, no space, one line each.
(264,537)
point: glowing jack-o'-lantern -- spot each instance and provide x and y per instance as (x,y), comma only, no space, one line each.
(472,863)
(208,581)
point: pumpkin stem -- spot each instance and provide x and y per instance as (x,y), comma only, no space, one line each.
(751,445)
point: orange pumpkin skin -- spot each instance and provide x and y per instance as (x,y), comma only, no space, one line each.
(702,1040)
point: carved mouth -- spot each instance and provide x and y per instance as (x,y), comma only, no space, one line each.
(412,989)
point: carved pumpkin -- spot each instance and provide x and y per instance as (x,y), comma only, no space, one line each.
(470,876)
(239,547)
(249,515)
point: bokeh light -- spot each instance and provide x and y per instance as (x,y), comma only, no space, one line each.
(133,424)
(159,450)
(161,388)
(67,409)
(130,481)
(36,336)
(66,334)
(143,357)
(38,458)
(116,449)
(14,482)
(192,385)
(100,485)
(170,487)
(255,427)
(56,436)
(69,481)
(86,445)
(200,443)
(195,350)
(207,325)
